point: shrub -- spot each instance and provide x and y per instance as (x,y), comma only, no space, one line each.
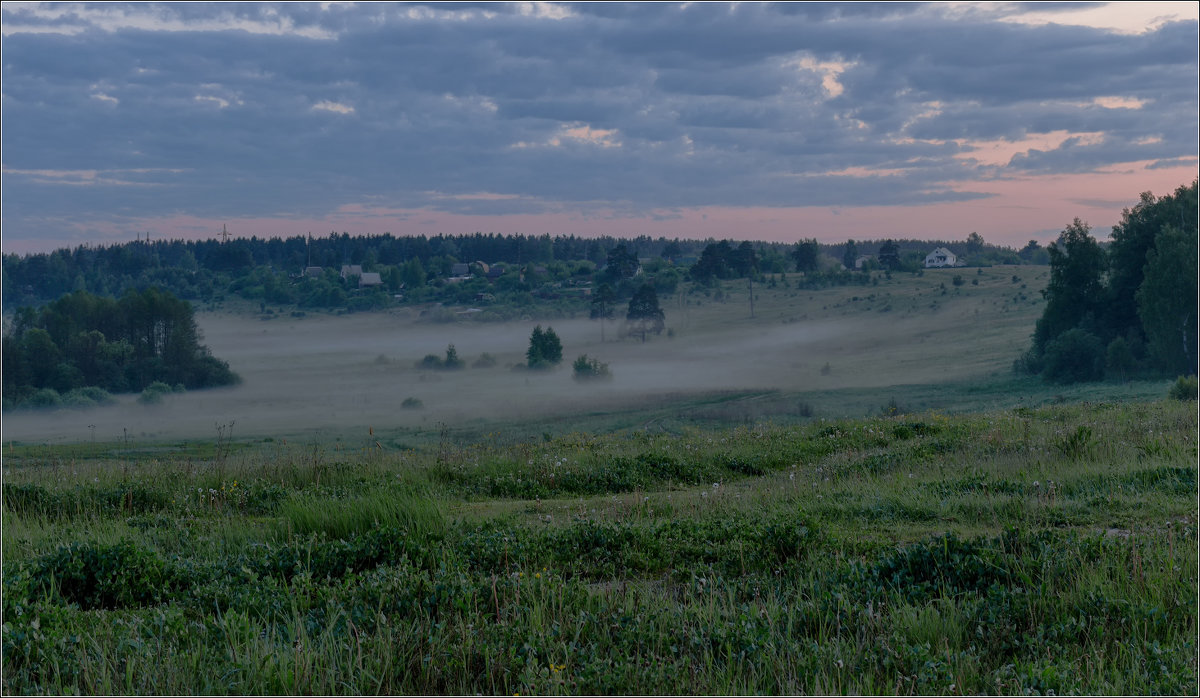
(87,397)
(485,360)
(1074,356)
(412,403)
(431,362)
(46,397)
(590,369)
(101,576)
(1119,360)
(1183,389)
(153,394)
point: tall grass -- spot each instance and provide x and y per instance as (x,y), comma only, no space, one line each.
(1020,551)
(340,518)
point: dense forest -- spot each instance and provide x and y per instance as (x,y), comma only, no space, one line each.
(1129,308)
(82,347)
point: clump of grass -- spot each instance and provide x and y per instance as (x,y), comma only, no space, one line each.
(306,514)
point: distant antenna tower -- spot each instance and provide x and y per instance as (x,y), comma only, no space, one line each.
(224,234)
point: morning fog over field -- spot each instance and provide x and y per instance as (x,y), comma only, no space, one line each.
(338,373)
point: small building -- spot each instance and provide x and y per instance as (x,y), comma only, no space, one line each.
(941,257)
(369,278)
(312,272)
(862,259)
(460,269)
(349,270)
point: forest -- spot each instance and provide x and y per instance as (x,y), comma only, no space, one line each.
(83,347)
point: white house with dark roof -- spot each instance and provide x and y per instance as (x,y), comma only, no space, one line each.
(941,257)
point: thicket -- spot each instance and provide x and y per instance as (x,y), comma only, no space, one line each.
(1126,310)
(83,343)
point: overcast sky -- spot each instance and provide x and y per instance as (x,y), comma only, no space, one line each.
(751,121)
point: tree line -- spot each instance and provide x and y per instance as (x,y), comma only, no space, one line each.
(1125,310)
(115,345)
(269,270)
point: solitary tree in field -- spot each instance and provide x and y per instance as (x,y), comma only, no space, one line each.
(604,305)
(644,314)
(545,348)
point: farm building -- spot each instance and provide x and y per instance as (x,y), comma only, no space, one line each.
(941,257)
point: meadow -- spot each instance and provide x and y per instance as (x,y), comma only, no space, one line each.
(728,516)
(835,352)
(1021,551)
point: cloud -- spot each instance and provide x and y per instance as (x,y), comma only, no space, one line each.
(244,109)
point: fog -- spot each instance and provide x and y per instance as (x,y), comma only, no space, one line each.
(323,373)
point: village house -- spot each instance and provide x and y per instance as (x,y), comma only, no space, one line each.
(941,257)
(312,272)
(349,270)
(369,278)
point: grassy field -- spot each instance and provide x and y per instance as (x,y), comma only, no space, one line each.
(1029,548)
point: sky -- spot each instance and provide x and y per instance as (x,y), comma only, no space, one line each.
(693,120)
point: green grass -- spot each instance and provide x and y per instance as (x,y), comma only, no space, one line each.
(1028,549)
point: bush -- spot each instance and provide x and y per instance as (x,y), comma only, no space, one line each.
(46,397)
(412,403)
(1119,360)
(1074,356)
(87,397)
(590,369)
(1183,389)
(153,394)
(101,576)
(485,360)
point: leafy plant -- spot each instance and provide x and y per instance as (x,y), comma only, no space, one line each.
(586,369)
